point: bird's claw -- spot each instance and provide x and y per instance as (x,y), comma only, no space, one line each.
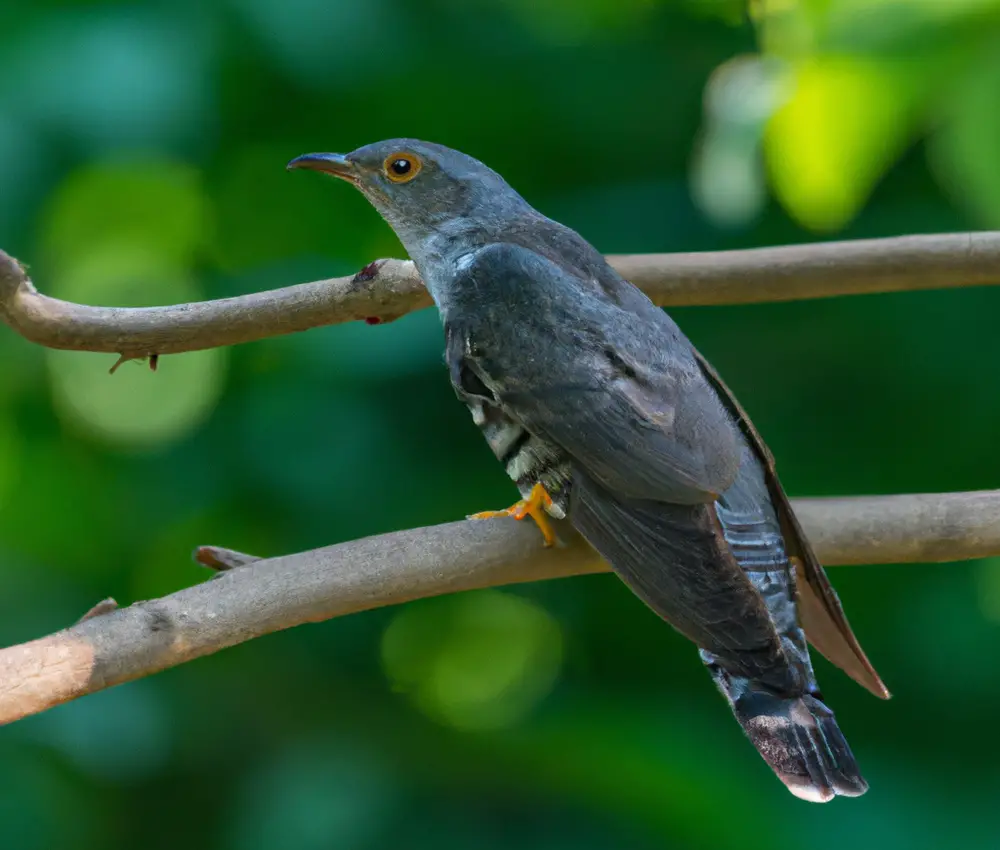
(534,506)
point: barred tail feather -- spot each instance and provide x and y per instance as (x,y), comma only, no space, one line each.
(800,740)
(798,737)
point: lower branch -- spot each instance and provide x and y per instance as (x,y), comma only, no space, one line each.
(252,597)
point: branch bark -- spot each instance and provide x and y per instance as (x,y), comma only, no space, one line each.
(387,289)
(254,597)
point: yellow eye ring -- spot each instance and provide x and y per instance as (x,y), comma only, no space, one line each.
(401,167)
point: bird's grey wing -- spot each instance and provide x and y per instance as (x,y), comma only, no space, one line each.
(619,392)
(820,612)
(674,558)
(649,442)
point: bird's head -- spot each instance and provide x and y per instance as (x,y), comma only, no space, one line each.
(423,190)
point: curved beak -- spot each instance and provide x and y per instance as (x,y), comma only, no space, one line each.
(331,163)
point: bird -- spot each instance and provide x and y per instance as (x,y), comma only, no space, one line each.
(603,413)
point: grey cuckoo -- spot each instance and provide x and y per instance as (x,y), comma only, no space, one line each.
(602,411)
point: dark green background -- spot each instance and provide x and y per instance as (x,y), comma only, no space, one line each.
(142,152)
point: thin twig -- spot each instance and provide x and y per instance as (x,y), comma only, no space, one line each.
(387,289)
(262,596)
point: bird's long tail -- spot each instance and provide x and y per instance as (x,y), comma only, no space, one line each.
(798,737)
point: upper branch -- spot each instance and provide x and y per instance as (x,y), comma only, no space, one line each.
(388,289)
(385,289)
(255,597)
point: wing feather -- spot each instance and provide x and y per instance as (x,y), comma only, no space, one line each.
(650,443)
(674,559)
(820,611)
(619,392)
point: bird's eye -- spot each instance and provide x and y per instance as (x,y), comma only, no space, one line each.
(401,167)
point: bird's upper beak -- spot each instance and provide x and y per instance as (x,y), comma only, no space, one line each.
(332,163)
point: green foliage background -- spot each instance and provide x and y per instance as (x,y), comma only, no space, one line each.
(142,152)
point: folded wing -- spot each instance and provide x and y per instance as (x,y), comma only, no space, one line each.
(820,612)
(620,392)
(651,446)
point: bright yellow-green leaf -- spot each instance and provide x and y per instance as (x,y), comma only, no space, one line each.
(846,120)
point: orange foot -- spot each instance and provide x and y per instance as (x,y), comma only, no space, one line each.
(534,506)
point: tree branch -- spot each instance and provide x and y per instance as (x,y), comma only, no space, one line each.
(253,597)
(387,289)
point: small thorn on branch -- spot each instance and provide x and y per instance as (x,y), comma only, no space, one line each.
(105,606)
(153,359)
(221,560)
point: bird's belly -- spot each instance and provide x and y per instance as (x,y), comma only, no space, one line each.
(527,459)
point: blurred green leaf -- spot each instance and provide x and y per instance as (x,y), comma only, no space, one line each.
(321,44)
(135,407)
(732,12)
(63,498)
(727,179)
(319,793)
(904,28)
(115,76)
(475,661)
(120,735)
(964,149)
(150,205)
